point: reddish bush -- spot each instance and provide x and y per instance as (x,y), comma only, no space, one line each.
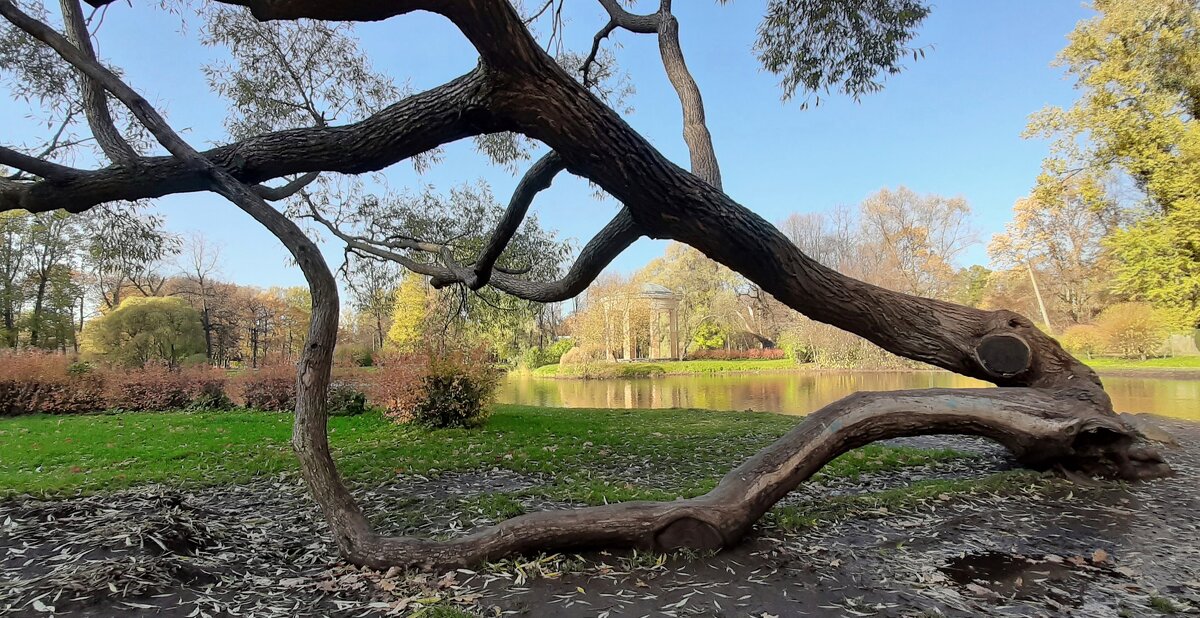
(272,387)
(752,354)
(395,384)
(452,388)
(156,388)
(39,382)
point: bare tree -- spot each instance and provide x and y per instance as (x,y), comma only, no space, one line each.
(917,237)
(1055,414)
(373,284)
(199,264)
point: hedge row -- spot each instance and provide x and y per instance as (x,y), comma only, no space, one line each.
(449,389)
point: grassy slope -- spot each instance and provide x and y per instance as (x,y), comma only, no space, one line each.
(1174,362)
(636,370)
(589,454)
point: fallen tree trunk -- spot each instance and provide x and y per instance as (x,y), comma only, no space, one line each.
(1041,428)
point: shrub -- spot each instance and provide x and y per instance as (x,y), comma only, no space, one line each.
(144,330)
(560,347)
(393,384)
(708,336)
(271,388)
(532,358)
(40,382)
(445,389)
(1132,330)
(582,356)
(353,356)
(37,382)
(158,388)
(828,346)
(457,391)
(152,388)
(751,354)
(1085,339)
(79,368)
(362,357)
(346,399)
(795,347)
(209,395)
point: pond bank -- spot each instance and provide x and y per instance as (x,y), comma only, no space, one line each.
(1178,367)
(926,526)
(802,392)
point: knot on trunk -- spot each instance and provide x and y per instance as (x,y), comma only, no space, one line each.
(1004,355)
(689,532)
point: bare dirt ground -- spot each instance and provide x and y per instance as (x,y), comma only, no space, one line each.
(1051,549)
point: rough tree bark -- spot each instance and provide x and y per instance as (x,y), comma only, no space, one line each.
(1054,413)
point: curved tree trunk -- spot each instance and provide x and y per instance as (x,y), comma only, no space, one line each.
(1040,428)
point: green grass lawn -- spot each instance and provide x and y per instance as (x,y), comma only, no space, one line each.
(587,454)
(642,370)
(1173,362)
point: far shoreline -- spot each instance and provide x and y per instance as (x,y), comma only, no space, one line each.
(617,371)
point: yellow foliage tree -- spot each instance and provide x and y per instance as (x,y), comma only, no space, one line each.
(408,314)
(1137,66)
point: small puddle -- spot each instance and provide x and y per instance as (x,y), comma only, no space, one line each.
(1008,574)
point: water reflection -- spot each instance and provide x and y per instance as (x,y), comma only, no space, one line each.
(801,393)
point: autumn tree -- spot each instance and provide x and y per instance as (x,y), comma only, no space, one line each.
(198,266)
(1056,414)
(609,316)
(706,290)
(295,306)
(1137,67)
(1058,233)
(14,255)
(1132,330)
(53,238)
(408,315)
(373,284)
(917,237)
(146,329)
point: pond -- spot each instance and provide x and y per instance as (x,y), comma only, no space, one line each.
(802,392)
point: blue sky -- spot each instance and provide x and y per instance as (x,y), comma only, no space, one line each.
(950,124)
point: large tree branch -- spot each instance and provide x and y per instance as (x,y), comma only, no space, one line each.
(667,202)
(695,126)
(641,24)
(292,187)
(598,253)
(536,179)
(36,166)
(402,130)
(95,101)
